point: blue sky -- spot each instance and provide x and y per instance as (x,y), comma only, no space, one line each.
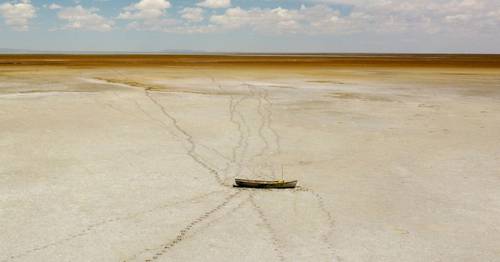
(252,25)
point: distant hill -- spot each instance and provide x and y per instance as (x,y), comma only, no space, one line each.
(182,51)
(14,51)
(28,51)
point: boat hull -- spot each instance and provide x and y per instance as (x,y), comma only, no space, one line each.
(264,183)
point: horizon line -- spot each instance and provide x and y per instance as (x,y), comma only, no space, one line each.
(9,51)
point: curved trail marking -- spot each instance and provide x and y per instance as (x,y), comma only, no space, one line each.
(184,135)
(239,151)
(188,138)
(268,107)
(328,216)
(239,155)
(161,250)
(261,95)
(182,234)
(95,226)
(277,246)
(165,127)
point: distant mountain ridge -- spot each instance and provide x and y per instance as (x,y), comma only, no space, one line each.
(183,51)
(5,51)
(166,51)
(13,50)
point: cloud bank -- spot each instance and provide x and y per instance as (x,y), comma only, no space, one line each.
(18,14)
(82,18)
(313,17)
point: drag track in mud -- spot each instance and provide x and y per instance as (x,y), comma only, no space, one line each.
(137,163)
(250,112)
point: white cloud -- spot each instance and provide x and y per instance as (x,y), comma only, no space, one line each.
(257,19)
(424,16)
(192,14)
(316,19)
(145,10)
(18,14)
(54,6)
(148,15)
(82,18)
(322,17)
(368,16)
(153,25)
(460,18)
(215,3)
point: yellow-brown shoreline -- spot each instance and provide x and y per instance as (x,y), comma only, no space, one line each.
(392,60)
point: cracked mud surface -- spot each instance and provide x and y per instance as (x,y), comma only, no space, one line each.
(137,164)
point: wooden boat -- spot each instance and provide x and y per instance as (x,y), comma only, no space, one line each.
(265,183)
